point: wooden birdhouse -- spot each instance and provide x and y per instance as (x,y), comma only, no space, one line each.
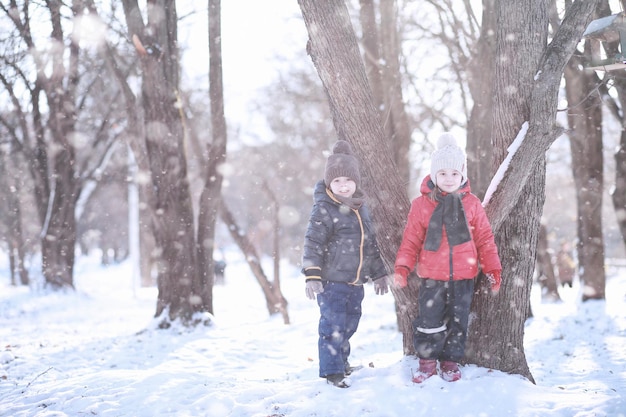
(604,34)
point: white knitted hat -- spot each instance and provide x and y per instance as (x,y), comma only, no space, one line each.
(447,156)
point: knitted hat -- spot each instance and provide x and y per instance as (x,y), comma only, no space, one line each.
(447,156)
(342,163)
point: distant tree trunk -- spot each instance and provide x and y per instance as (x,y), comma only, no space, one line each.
(385,78)
(210,199)
(480,82)
(396,116)
(335,53)
(547,277)
(619,192)
(156,45)
(135,139)
(372,56)
(59,237)
(585,133)
(10,201)
(527,78)
(274,299)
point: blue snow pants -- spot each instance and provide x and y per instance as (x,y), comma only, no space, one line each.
(340,312)
(440,329)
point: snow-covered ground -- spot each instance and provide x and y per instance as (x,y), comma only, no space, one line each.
(95,352)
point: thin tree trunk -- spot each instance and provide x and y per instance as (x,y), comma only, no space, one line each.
(479,125)
(274,299)
(547,277)
(397,119)
(210,198)
(618,194)
(276,248)
(585,123)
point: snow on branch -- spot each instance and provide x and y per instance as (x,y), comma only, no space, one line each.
(499,175)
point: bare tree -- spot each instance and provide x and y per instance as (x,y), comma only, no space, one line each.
(480,83)
(51,130)
(584,117)
(156,44)
(381,56)
(210,199)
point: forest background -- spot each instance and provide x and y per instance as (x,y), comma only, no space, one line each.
(277,119)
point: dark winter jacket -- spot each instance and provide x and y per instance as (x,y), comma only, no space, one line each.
(464,258)
(340,243)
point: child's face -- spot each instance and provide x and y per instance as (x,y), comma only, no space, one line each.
(343,186)
(449,180)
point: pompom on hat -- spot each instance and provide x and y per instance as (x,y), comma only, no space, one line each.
(342,163)
(447,156)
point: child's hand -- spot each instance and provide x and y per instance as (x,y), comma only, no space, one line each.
(494,280)
(313,287)
(400,277)
(381,286)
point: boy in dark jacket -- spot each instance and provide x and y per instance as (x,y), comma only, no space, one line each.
(340,255)
(449,237)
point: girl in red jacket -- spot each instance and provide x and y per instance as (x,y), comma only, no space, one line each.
(449,237)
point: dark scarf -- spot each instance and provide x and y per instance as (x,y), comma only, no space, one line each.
(355,202)
(449,212)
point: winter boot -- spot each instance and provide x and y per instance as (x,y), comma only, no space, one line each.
(350,368)
(338,380)
(450,371)
(428,368)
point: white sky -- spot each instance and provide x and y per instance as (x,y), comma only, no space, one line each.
(255,35)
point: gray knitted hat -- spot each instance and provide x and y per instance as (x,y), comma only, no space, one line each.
(447,156)
(342,163)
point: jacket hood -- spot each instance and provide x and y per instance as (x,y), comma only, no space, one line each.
(427,186)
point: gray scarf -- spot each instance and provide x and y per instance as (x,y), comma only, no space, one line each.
(449,212)
(355,202)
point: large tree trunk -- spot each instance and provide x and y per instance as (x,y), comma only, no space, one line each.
(335,53)
(527,77)
(172,208)
(210,198)
(585,133)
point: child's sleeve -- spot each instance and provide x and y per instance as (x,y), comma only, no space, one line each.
(412,239)
(316,237)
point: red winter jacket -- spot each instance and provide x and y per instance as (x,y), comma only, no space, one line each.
(464,258)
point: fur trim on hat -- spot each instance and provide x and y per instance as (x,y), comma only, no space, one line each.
(342,163)
(447,156)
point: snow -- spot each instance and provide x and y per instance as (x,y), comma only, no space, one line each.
(97,352)
(499,175)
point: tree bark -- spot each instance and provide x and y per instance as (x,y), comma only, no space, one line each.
(173,223)
(210,199)
(334,51)
(480,83)
(584,117)
(396,120)
(527,76)
(547,277)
